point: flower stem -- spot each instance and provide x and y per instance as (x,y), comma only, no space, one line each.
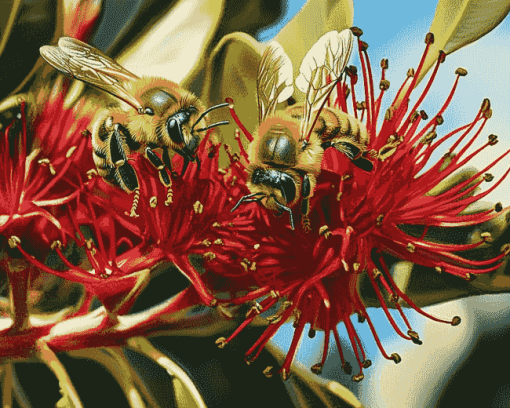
(143,346)
(67,388)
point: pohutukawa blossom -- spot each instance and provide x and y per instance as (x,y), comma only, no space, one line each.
(356,218)
(172,230)
(42,173)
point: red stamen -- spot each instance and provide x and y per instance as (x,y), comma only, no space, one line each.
(373,118)
(383,304)
(194,277)
(376,337)
(440,60)
(354,79)
(366,86)
(339,347)
(248,135)
(413,83)
(407,299)
(240,144)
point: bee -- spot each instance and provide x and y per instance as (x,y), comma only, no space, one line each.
(152,113)
(286,154)
(342,131)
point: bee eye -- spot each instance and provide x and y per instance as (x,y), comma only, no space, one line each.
(148,111)
(174,130)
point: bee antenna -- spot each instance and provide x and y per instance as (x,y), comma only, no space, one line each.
(223,122)
(220,105)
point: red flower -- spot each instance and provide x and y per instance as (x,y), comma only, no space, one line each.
(356,218)
(41,173)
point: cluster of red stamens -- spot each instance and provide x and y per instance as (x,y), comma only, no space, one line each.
(357,217)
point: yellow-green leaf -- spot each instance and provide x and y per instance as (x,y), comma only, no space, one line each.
(460,22)
(316,18)
(173,47)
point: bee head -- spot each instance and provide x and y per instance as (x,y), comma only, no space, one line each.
(276,185)
(180,132)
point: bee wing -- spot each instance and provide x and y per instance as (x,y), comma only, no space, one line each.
(275,79)
(81,61)
(320,70)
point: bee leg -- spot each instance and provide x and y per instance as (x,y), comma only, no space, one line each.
(117,153)
(104,170)
(163,175)
(185,166)
(285,208)
(156,162)
(199,163)
(305,204)
(248,199)
(168,163)
(124,173)
(353,152)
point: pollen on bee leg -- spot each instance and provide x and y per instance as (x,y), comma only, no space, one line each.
(305,220)
(324,231)
(135,204)
(153,202)
(169,194)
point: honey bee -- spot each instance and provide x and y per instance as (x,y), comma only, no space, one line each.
(153,113)
(286,154)
(342,131)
